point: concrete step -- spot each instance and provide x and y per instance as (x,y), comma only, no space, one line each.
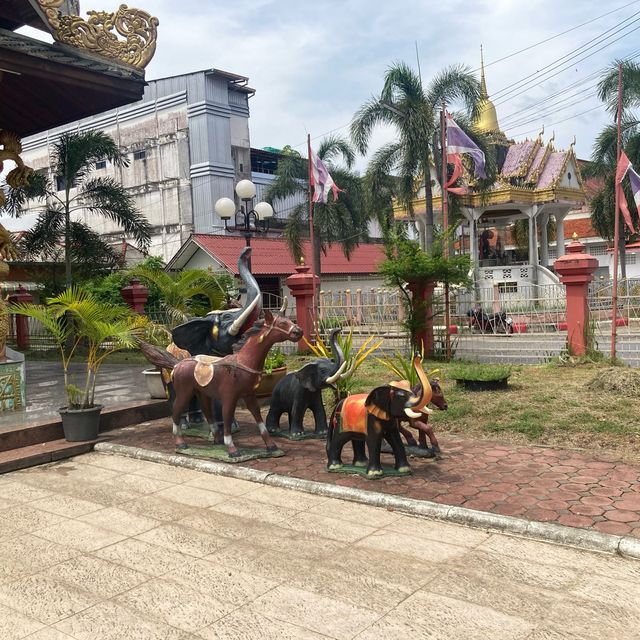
(35,454)
(112,417)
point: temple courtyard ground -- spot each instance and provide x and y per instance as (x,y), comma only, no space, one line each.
(109,547)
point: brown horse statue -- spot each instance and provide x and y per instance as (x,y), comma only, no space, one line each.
(226,379)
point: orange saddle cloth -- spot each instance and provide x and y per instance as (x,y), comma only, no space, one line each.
(353,415)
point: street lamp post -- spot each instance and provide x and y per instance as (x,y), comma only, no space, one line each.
(248,220)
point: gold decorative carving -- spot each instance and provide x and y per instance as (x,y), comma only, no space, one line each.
(17,177)
(138,28)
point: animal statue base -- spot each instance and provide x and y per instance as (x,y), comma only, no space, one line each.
(219,453)
(361,470)
(416,451)
(299,435)
(201,430)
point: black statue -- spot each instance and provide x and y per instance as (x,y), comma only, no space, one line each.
(218,331)
(301,390)
(369,418)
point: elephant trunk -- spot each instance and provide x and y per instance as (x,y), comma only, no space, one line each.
(415,403)
(253,303)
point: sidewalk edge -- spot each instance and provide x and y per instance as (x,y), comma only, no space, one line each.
(542,531)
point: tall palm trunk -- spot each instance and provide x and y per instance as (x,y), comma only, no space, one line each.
(67,244)
(428,204)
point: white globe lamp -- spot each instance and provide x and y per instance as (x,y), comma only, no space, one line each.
(245,189)
(264,210)
(225,208)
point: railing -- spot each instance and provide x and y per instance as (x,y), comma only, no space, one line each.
(628,307)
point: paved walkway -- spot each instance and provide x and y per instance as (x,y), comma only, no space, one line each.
(573,488)
(110,548)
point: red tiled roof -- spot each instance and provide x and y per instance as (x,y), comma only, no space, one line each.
(581,226)
(270,256)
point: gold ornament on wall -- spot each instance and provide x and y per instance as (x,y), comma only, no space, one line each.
(138,28)
(16,178)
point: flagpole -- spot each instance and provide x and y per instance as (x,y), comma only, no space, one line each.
(616,231)
(445,225)
(314,311)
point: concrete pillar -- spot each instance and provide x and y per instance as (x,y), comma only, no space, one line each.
(544,240)
(358,306)
(560,235)
(21,296)
(135,295)
(533,242)
(302,285)
(576,271)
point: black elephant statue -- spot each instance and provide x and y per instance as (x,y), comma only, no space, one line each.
(218,331)
(369,419)
(301,390)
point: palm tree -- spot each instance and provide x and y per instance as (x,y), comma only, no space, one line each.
(74,157)
(342,221)
(189,293)
(413,111)
(604,153)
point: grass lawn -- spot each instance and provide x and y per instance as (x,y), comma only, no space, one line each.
(547,405)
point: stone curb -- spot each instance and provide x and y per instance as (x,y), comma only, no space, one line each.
(542,531)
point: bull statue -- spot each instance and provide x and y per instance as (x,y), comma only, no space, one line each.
(218,331)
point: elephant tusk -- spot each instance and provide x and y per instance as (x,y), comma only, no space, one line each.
(336,375)
(412,414)
(349,372)
(283,308)
(242,318)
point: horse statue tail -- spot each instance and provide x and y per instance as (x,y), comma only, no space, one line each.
(158,357)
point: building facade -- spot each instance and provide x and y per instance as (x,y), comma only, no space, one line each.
(187,143)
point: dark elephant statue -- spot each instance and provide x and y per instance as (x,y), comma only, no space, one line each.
(218,331)
(363,418)
(301,390)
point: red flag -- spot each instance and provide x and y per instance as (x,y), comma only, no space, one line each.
(624,165)
(456,161)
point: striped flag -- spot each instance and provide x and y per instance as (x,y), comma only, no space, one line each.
(625,167)
(321,180)
(459,142)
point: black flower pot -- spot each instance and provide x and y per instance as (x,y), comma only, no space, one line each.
(81,424)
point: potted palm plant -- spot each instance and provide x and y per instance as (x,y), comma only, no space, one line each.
(274,369)
(83,329)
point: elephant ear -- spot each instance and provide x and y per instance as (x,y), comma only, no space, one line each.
(307,376)
(378,402)
(192,336)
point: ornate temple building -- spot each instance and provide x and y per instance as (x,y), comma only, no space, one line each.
(537,184)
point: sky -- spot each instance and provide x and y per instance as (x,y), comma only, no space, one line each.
(313,64)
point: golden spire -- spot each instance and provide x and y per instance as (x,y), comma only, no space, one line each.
(487,120)
(483,83)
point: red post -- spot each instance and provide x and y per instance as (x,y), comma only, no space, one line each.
(135,295)
(576,270)
(303,286)
(22,322)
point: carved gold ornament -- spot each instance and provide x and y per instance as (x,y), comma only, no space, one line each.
(16,178)
(138,28)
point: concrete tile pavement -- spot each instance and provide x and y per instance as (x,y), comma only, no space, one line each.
(241,560)
(581,489)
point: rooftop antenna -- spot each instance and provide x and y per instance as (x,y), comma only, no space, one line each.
(418,61)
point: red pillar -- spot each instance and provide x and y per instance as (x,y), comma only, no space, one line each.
(422,303)
(135,295)
(301,285)
(22,322)
(576,270)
